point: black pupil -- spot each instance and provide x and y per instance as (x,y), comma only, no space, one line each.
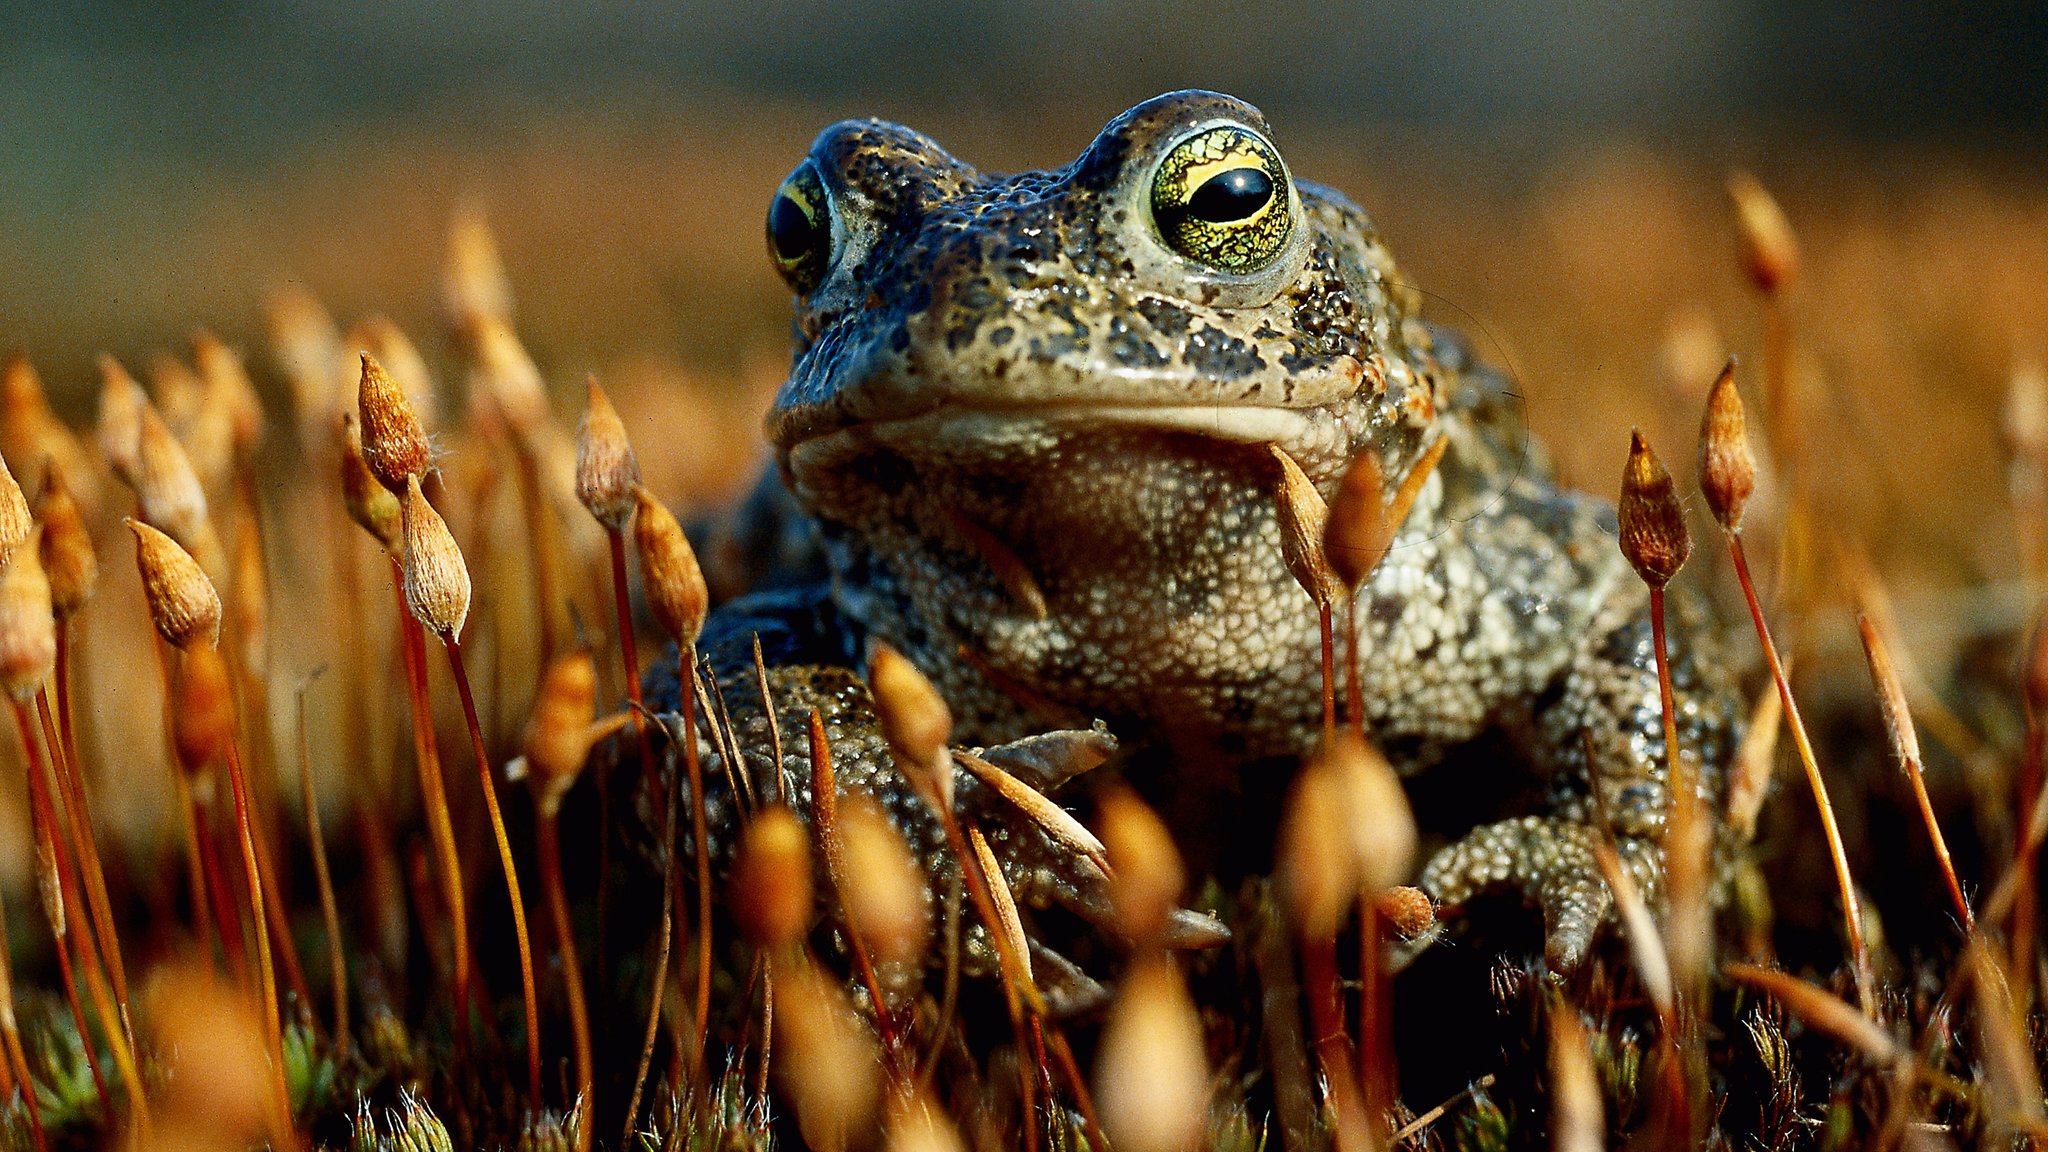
(791,229)
(1231,195)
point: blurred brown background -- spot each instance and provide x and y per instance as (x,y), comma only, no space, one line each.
(1552,173)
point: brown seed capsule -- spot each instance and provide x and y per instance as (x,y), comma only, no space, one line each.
(884,893)
(202,708)
(166,485)
(826,1061)
(1408,911)
(1146,876)
(505,376)
(437,585)
(559,737)
(1380,826)
(120,419)
(175,389)
(394,444)
(249,599)
(15,520)
(920,1125)
(1317,866)
(1577,1120)
(307,347)
(1303,519)
(209,1036)
(1152,1072)
(30,433)
(229,388)
(1770,250)
(1653,532)
(668,570)
(605,468)
(1358,533)
(916,721)
(1727,469)
(183,603)
(67,555)
(772,897)
(370,504)
(400,358)
(28,632)
(474,284)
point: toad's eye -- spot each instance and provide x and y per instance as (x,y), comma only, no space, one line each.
(1220,199)
(800,229)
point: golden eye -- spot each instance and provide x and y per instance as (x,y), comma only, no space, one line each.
(1220,198)
(800,229)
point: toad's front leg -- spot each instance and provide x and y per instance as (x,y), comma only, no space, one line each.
(1607,702)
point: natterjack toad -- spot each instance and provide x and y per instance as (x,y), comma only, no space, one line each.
(1030,417)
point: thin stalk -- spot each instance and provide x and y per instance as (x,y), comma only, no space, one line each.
(1354,698)
(434,798)
(55,884)
(700,836)
(542,538)
(17,1058)
(825,824)
(273,1029)
(280,929)
(1852,908)
(227,921)
(1332,1045)
(483,768)
(337,959)
(656,986)
(195,864)
(71,786)
(1325,631)
(629,660)
(62,677)
(547,839)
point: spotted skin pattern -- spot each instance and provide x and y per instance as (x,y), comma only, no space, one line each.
(1016,378)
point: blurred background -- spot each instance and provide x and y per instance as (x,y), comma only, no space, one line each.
(1553,174)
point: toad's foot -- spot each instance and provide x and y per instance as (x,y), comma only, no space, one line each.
(1551,861)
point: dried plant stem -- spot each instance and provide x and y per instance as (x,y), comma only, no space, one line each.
(61,676)
(657,985)
(226,919)
(545,542)
(699,835)
(1326,633)
(1852,909)
(1333,1046)
(278,921)
(55,884)
(337,957)
(825,823)
(434,798)
(1354,699)
(548,842)
(17,1058)
(195,864)
(273,1029)
(525,944)
(629,660)
(71,782)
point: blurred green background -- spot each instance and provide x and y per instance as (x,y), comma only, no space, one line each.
(1551,172)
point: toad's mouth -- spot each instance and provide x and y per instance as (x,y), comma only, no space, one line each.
(965,432)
